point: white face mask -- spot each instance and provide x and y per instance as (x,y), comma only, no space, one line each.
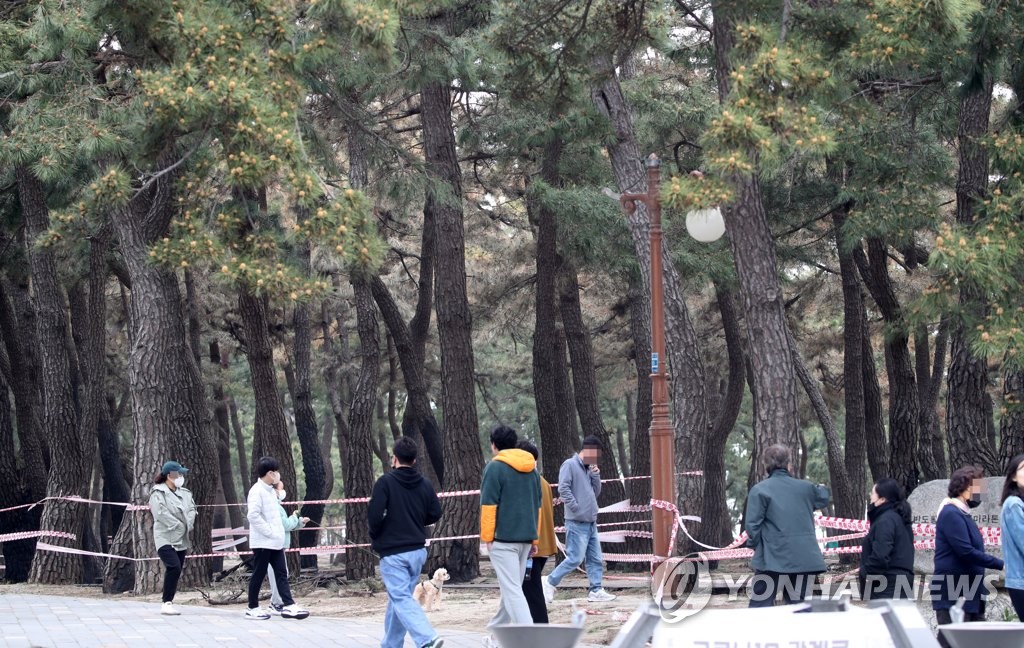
(179,481)
(282,494)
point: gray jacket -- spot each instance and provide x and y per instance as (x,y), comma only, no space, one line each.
(579,488)
(174,515)
(780,524)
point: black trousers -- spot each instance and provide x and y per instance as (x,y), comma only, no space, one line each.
(534,591)
(795,588)
(1017,598)
(942,618)
(173,561)
(275,558)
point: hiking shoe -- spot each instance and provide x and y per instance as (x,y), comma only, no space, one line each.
(169,609)
(600,596)
(436,642)
(294,611)
(549,590)
(275,609)
(257,614)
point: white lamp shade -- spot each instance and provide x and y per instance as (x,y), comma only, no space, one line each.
(705,225)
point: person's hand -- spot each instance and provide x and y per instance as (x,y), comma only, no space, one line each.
(304,520)
(533,550)
(488,545)
(594,468)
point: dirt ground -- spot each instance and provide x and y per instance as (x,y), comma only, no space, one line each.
(464,607)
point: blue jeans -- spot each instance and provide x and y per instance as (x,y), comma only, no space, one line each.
(400,574)
(581,544)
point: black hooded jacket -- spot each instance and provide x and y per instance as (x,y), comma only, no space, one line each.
(402,505)
(888,549)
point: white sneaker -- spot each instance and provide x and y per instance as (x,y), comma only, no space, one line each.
(294,611)
(490,641)
(549,590)
(275,609)
(169,609)
(600,596)
(257,614)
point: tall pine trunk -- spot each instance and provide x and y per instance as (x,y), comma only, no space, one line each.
(581,355)
(903,403)
(558,440)
(359,563)
(969,419)
(60,419)
(717,524)
(753,252)
(168,399)
(455,327)
(305,420)
(688,384)
(856,454)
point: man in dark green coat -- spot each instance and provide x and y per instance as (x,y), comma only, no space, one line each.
(780,528)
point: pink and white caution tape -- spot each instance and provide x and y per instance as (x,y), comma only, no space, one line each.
(28,535)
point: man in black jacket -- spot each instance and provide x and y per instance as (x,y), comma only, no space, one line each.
(402,505)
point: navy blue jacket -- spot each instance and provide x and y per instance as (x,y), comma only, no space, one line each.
(960,561)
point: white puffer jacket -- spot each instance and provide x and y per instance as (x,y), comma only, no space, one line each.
(265,528)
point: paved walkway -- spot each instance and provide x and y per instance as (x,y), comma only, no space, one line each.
(30,621)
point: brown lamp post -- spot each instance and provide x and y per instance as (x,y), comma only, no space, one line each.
(663,485)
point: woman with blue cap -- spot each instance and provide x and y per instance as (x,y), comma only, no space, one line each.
(174,515)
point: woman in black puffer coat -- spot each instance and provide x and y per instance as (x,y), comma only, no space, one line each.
(887,557)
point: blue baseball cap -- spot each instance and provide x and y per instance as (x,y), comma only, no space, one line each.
(174,466)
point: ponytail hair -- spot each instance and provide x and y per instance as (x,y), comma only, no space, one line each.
(160,478)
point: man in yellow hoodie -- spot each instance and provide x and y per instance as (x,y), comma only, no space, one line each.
(510,507)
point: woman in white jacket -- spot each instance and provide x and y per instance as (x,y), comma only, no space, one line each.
(266,539)
(174,516)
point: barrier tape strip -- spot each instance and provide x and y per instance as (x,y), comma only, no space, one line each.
(28,535)
(349,500)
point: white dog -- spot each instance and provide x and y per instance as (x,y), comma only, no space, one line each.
(429,593)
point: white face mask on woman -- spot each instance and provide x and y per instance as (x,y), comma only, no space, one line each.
(281,495)
(179,481)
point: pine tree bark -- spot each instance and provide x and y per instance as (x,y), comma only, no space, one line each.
(929,382)
(716,528)
(222,427)
(640,431)
(359,563)
(688,383)
(454,326)
(558,440)
(60,420)
(20,344)
(903,403)
(969,417)
(17,554)
(270,434)
(305,420)
(418,421)
(168,399)
(581,356)
(753,251)
(1011,425)
(874,422)
(855,455)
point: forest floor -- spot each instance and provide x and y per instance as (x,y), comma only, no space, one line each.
(465,606)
